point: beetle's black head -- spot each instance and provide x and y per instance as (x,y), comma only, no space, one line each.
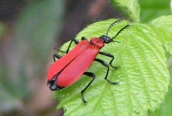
(53,85)
(106,39)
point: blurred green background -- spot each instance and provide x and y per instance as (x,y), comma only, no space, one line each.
(29,32)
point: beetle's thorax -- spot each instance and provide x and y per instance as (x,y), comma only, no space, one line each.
(97,42)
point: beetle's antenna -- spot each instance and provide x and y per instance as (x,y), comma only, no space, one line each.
(120,31)
(114,23)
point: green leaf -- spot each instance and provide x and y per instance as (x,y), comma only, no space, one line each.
(143,75)
(165,109)
(164,23)
(130,8)
(151,9)
(168,48)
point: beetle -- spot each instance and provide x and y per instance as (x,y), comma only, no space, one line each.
(68,69)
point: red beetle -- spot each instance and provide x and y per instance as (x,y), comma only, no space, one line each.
(69,68)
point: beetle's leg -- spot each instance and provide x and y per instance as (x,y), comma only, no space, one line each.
(59,50)
(56,56)
(84,38)
(90,74)
(76,42)
(107,65)
(111,56)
